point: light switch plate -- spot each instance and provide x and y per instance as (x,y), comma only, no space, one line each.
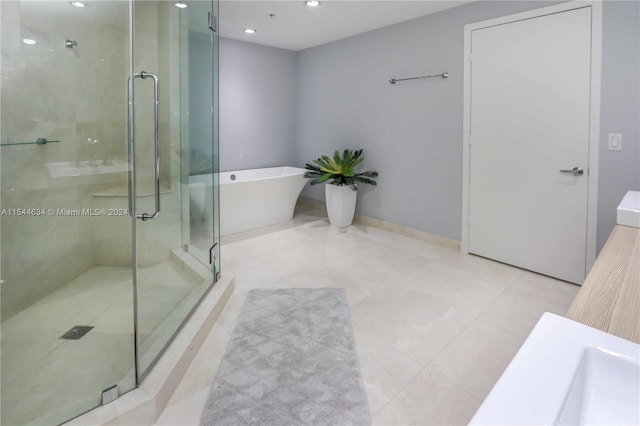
(615,142)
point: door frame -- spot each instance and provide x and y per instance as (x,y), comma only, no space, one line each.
(594,114)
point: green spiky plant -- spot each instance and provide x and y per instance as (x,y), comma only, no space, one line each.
(339,170)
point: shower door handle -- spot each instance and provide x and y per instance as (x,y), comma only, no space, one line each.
(156,130)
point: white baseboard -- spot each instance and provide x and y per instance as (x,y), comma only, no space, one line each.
(307,204)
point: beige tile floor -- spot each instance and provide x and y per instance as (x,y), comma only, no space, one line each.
(434,329)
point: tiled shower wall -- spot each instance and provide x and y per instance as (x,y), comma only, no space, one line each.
(73,95)
(66,94)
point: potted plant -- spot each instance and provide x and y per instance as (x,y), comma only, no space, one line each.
(342,181)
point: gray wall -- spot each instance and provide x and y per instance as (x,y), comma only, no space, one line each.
(412,133)
(620,113)
(257,106)
(279,107)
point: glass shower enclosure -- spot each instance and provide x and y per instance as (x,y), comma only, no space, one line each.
(106,110)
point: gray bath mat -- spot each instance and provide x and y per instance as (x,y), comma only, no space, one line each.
(291,360)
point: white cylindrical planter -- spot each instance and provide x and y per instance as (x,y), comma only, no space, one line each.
(341,204)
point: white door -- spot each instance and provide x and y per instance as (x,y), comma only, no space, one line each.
(529,120)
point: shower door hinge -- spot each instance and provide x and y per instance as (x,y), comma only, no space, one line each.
(110,394)
(213,22)
(214,253)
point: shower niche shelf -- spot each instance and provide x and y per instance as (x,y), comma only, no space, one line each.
(83,168)
(143,190)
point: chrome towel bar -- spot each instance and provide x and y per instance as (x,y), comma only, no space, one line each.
(395,80)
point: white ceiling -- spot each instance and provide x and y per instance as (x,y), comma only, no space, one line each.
(296,26)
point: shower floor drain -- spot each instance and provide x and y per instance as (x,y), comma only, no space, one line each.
(76,332)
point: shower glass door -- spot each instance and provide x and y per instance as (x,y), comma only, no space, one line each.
(65,232)
(199,54)
(172,133)
(95,139)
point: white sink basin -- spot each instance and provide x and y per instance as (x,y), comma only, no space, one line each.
(604,391)
(567,373)
(629,210)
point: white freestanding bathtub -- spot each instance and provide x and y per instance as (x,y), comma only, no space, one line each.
(249,199)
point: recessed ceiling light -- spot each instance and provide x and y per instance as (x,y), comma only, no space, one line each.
(77,4)
(181,5)
(28,41)
(312,3)
(250,31)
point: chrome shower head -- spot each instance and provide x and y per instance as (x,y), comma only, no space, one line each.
(70,43)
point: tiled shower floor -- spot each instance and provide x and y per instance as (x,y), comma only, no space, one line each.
(45,378)
(434,329)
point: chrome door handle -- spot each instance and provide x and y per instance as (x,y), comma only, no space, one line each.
(156,123)
(576,171)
